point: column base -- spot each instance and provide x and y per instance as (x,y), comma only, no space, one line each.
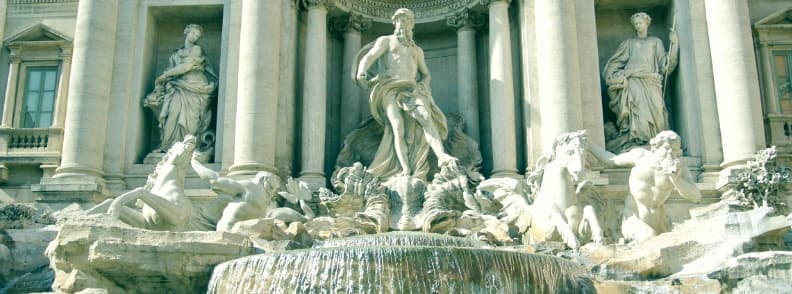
(115,184)
(81,189)
(709,174)
(3,173)
(727,177)
(249,169)
(506,174)
(314,180)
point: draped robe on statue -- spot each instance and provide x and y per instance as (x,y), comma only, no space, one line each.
(408,95)
(634,75)
(185,99)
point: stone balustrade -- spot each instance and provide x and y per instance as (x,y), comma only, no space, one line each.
(15,142)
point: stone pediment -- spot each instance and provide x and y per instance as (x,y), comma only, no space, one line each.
(425,10)
(775,28)
(38,32)
(779,19)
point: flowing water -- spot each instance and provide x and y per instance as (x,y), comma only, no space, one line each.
(401,239)
(434,264)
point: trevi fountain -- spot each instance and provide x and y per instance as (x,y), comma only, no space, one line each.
(404,146)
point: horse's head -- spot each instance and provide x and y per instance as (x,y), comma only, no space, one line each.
(569,150)
(181,153)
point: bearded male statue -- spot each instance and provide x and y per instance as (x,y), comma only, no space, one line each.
(393,67)
(654,175)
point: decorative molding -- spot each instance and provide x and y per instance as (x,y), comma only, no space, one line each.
(66,52)
(15,55)
(24,2)
(466,19)
(425,10)
(25,8)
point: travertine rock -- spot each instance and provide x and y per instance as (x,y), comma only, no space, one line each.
(676,286)
(695,247)
(101,252)
(762,272)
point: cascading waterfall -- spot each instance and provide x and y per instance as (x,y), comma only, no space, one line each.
(403,238)
(387,263)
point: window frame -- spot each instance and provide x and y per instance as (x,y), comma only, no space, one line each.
(773,95)
(28,54)
(20,99)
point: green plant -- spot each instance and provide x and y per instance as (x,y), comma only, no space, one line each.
(763,182)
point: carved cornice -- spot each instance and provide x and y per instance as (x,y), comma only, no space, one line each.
(354,21)
(425,10)
(14,2)
(466,19)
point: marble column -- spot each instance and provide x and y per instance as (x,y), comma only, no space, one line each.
(63,87)
(590,93)
(89,91)
(502,106)
(350,27)
(559,69)
(502,117)
(466,24)
(314,108)
(736,80)
(11,89)
(284,151)
(257,100)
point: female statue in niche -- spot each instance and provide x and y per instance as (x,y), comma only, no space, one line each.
(182,93)
(635,76)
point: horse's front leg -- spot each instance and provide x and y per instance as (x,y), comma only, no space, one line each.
(574,217)
(566,232)
(174,213)
(590,217)
(121,201)
(117,208)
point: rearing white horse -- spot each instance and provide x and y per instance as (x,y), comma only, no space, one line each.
(557,210)
(165,205)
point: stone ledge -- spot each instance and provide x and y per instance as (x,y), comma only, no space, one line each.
(101,252)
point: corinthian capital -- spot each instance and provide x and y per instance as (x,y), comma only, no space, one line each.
(489,2)
(466,19)
(311,4)
(352,21)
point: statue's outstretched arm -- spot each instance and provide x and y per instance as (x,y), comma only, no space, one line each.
(626,159)
(203,171)
(228,185)
(685,184)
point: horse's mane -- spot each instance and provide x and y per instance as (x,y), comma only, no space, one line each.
(534,178)
(152,177)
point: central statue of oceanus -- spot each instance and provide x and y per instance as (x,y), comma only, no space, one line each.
(393,67)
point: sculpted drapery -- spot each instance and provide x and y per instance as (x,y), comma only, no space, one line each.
(386,162)
(634,76)
(182,93)
(393,67)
